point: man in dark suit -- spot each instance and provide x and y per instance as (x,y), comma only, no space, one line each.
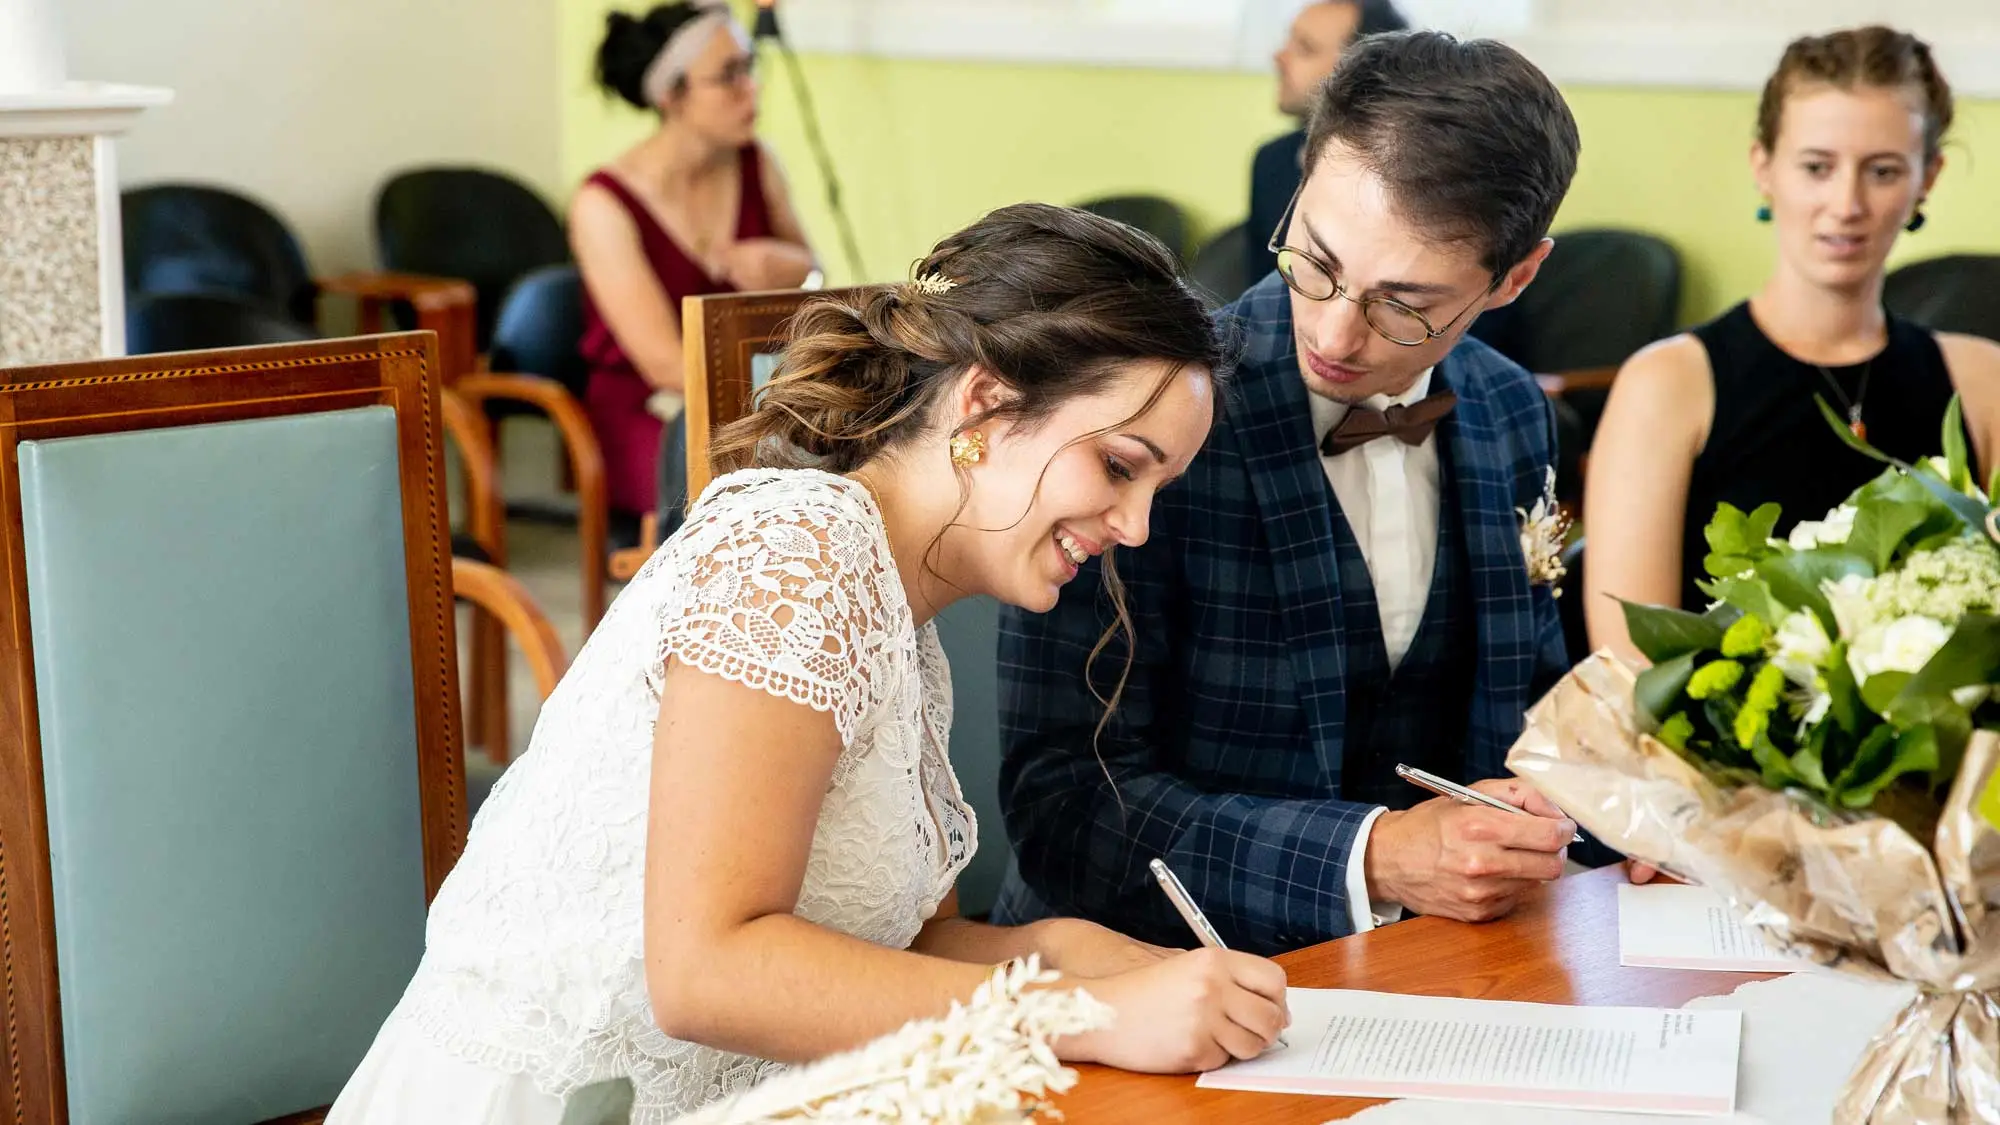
(1319,33)
(1339,584)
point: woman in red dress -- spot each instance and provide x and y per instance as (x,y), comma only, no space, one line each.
(697,207)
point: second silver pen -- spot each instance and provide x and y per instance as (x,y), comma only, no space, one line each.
(1424,779)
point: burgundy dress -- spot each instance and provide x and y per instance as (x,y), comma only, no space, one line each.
(616,396)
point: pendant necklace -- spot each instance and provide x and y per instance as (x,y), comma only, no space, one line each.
(1855,425)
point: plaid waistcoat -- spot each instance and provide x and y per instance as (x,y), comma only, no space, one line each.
(1415,712)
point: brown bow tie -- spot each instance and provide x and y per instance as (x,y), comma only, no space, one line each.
(1412,424)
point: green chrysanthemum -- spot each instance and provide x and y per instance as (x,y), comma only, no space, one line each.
(1676,731)
(1716,678)
(1746,637)
(1766,690)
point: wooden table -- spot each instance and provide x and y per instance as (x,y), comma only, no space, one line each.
(1561,947)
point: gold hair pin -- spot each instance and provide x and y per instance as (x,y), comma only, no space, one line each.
(932,284)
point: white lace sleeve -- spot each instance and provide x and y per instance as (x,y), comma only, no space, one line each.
(776,588)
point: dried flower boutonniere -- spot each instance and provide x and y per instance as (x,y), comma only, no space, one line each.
(1544,531)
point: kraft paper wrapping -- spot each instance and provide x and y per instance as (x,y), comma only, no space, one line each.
(1853,891)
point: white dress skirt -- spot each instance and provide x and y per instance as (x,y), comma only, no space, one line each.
(409,1080)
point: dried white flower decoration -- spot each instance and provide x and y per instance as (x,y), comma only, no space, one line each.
(933,284)
(1544,530)
(985,1062)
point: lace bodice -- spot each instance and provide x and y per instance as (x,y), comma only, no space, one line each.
(779,580)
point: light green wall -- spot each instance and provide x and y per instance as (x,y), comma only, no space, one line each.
(1677,163)
(923,148)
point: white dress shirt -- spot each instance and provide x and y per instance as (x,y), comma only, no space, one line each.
(1390,493)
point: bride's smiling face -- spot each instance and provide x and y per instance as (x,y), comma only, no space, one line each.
(1046,497)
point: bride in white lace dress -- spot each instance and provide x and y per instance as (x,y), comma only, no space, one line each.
(732,842)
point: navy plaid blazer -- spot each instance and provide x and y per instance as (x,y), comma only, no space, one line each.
(1224,755)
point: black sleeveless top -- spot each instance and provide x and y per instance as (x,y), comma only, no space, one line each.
(1769,441)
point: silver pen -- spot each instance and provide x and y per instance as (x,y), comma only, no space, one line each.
(1424,779)
(1190,913)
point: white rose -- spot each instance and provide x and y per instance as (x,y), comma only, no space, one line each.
(1829,532)
(1904,645)
(1803,647)
(1852,610)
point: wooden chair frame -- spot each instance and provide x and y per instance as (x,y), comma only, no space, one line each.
(504,599)
(449,307)
(1585,379)
(721,334)
(1562,384)
(155,391)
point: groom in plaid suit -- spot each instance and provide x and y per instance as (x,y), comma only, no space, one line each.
(1339,584)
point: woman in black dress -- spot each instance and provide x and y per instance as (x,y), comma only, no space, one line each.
(1847,148)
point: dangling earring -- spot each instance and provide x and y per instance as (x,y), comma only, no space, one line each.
(967,448)
(1916,222)
(1763,212)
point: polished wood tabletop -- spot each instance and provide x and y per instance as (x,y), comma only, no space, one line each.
(1561,948)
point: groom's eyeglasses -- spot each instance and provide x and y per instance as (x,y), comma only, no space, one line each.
(1314,280)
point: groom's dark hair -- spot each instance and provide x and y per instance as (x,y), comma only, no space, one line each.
(1473,141)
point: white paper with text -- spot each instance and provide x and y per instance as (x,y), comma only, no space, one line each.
(1385,1045)
(1670,926)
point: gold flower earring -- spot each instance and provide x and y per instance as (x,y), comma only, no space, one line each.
(967,448)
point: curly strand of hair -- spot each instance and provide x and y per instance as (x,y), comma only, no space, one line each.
(1114,588)
(935,548)
(858,433)
(837,451)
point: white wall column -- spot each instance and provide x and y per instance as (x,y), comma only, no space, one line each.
(62,285)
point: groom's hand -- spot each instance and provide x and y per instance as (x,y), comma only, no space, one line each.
(1466,861)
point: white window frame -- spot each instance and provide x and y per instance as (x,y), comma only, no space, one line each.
(1728,50)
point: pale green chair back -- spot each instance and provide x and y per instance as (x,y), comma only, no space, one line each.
(234,580)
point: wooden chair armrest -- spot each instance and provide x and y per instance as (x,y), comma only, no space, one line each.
(586,463)
(501,594)
(485,518)
(1584,379)
(420,289)
(625,564)
(486,524)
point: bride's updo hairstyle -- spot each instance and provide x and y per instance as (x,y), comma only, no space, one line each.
(1051,301)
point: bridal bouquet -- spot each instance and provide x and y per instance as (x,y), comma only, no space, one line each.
(981,1064)
(1822,748)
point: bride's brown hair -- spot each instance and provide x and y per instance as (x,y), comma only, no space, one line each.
(1053,302)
